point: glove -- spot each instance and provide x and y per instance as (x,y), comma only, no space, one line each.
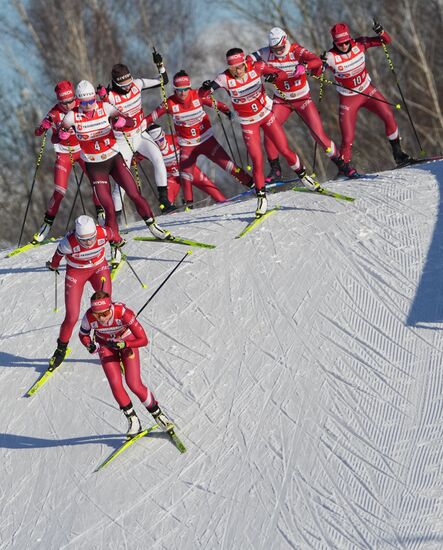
(63,134)
(117,345)
(118,244)
(207,85)
(272,77)
(102,92)
(51,267)
(323,56)
(157,58)
(301,69)
(120,123)
(45,125)
(229,115)
(93,347)
(376,27)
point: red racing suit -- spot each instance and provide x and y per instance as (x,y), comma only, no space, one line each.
(254,110)
(170,150)
(122,326)
(350,70)
(293,94)
(67,153)
(102,156)
(83,264)
(195,134)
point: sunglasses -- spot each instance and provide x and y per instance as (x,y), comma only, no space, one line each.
(68,102)
(102,313)
(182,89)
(87,101)
(87,242)
(344,43)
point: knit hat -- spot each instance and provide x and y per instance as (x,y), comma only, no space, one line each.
(340,33)
(120,73)
(64,90)
(101,304)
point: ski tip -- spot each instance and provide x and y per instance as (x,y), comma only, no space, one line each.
(55,310)
(144,286)
(189,251)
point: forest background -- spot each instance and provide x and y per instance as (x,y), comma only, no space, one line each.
(44,41)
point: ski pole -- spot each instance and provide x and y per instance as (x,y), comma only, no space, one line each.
(135,273)
(55,289)
(137,176)
(161,284)
(236,144)
(71,158)
(103,281)
(320,97)
(165,103)
(146,176)
(75,200)
(214,103)
(170,122)
(327,81)
(391,66)
(123,206)
(39,159)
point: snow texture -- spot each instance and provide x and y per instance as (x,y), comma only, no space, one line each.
(301,363)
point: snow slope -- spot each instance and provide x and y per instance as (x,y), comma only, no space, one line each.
(302,364)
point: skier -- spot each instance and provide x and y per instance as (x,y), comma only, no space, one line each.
(117,335)
(67,152)
(91,123)
(292,94)
(125,95)
(347,61)
(195,134)
(243,81)
(171,155)
(84,250)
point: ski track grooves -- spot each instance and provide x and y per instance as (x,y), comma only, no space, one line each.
(312,412)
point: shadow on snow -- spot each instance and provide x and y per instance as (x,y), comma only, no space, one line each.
(427,306)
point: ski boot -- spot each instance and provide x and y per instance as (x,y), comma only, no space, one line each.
(161,419)
(44,230)
(101,216)
(345,168)
(275,173)
(306,180)
(59,354)
(157,231)
(401,158)
(262,203)
(165,204)
(189,205)
(134,425)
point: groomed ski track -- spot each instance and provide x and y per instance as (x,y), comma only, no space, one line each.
(301,363)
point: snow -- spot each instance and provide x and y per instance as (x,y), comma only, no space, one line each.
(301,363)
